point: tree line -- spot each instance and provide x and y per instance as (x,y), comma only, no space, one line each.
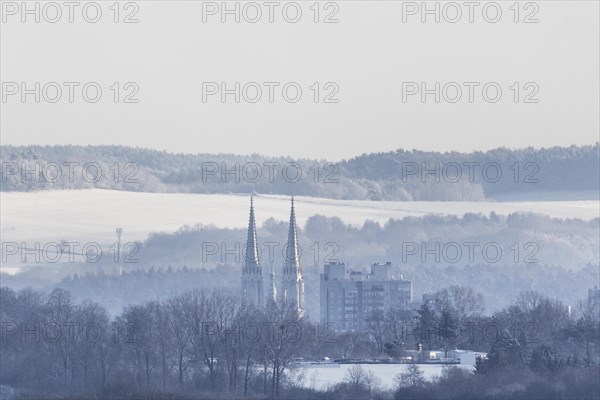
(210,344)
(395,175)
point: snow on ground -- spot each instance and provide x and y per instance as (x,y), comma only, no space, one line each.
(321,376)
(93,215)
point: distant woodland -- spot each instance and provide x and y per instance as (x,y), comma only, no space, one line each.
(395,175)
(562,263)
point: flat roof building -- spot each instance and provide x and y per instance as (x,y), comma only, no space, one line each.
(348,296)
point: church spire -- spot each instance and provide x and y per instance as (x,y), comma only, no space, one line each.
(251,258)
(293,283)
(292,254)
(252,281)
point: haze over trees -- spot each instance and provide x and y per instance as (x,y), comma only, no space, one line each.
(554,256)
(396,175)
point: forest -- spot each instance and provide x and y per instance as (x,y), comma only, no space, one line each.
(208,344)
(397,175)
(562,259)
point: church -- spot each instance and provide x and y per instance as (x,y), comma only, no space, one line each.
(292,284)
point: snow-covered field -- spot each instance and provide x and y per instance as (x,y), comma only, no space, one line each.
(93,215)
(320,376)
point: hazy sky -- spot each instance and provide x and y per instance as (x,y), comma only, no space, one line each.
(368,55)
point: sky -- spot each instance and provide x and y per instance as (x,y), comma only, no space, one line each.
(366,66)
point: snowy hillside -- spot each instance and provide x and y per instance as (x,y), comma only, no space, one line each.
(93,215)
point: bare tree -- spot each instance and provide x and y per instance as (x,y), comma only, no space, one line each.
(459,306)
(247,322)
(281,340)
(356,375)
(181,335)
(463,302)
(230,319)
(359,382)
(375,323)
(162,326)
(59,333)
(92,324)
(413,377)
(137,321)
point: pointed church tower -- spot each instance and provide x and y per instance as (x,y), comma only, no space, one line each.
(293,283)
(252,281)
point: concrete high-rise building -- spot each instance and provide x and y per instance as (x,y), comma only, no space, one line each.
(348,297)
(252,280)
(292,288)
